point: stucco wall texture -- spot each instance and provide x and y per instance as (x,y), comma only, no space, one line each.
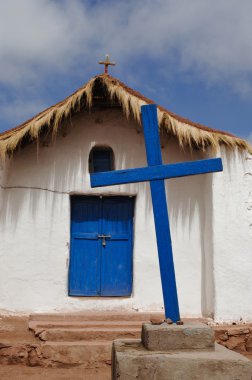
(210,217)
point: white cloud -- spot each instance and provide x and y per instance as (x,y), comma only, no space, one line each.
(210,39)
(212,36)
(36,36)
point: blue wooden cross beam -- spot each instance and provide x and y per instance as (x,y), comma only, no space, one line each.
(155,172)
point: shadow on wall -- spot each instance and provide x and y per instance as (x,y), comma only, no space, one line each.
(190,198)
(48,181)
(60,169)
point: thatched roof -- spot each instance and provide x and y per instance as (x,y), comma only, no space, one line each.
(109,89)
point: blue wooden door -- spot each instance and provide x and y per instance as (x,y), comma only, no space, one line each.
(101,246)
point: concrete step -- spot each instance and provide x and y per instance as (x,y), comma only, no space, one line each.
(190,336)
(89,333)
(131,360)
(91,354)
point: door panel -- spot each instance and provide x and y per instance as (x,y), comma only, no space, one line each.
(116,260)
(98,266)
(84,271)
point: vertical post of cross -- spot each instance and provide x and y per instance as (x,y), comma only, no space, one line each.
(160,210)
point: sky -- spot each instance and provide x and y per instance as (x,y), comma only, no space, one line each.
(193,57)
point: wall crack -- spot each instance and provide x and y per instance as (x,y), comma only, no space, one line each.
(33,188)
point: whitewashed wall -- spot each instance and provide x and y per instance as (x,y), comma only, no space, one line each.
(35,225)
(232,219)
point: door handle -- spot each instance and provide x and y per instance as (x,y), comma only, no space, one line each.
(103,237)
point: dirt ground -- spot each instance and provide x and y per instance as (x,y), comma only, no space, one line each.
(20,372)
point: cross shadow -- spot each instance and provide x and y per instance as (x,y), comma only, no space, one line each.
(190,212)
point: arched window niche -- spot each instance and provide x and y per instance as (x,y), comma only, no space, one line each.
(101,159)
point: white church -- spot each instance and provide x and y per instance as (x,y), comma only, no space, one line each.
(67,247)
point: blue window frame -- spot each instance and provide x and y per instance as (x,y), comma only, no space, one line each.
(101,160)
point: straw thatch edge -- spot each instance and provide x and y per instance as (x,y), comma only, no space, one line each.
(188,133)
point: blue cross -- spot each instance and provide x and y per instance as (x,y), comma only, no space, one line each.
(155,172)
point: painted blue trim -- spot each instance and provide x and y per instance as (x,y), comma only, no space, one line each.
(151,173)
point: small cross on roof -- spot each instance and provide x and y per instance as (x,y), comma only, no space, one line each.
(106,64)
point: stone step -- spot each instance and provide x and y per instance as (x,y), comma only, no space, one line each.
(81,339)
(89,333)
(91,354)
(48,324)
(97,327)
(94,316)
